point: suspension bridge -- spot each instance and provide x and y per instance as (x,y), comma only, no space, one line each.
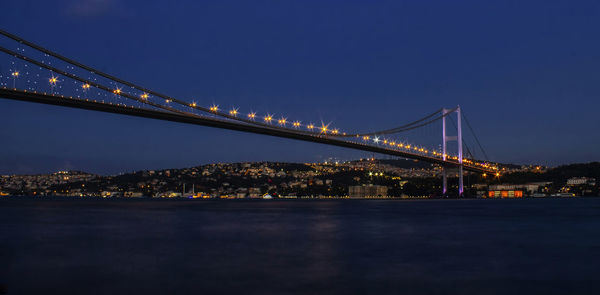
(39,75)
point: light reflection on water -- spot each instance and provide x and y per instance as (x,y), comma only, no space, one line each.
(297,246)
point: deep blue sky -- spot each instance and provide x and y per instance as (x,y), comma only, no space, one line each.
(526,72)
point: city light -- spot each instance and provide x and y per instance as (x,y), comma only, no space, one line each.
(252,115)
(15,74)
(282,121)
(310,126)
(214,108)
(233,112)
(296,124)
(85,86)
(53,80)
(117,91)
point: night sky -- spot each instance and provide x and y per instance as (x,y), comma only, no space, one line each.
(527,74)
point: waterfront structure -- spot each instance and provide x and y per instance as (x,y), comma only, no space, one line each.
(505,194)
(364,191)
(530,188)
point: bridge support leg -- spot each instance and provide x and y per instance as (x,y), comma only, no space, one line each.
(444,181)
(461,189)
(445,139)
(460,152)
(444,177)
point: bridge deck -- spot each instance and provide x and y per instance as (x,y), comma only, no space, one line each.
(218,123)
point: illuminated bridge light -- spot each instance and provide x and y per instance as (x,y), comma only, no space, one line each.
(310,126)
(252,115)
(193,104)
(15,74)
(282,121)
(233,112)
(296,124)
(86,86)
(117,91)
(365,138)
(214,108)
(335,131)
(53,80)
(268,118)
(324,128)
(167,100)
(376,139)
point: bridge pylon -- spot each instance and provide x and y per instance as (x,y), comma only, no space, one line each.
(445,140)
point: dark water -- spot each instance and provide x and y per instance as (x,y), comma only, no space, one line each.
(535,246)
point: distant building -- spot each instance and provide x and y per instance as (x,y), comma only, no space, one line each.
(530,188)
(131,194)
(581,181)
(254,193)
(363,191)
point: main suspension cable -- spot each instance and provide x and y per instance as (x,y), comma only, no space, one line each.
(403,128)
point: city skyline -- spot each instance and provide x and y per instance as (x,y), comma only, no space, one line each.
(318,65)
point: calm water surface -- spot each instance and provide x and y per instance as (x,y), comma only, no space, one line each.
(533,246)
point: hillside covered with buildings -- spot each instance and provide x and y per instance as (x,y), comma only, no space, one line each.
(370,178)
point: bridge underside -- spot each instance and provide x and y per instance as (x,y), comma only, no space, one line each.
(216,123)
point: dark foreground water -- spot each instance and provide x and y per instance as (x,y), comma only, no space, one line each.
(535,246)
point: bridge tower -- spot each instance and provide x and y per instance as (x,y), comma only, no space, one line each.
(445,140)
